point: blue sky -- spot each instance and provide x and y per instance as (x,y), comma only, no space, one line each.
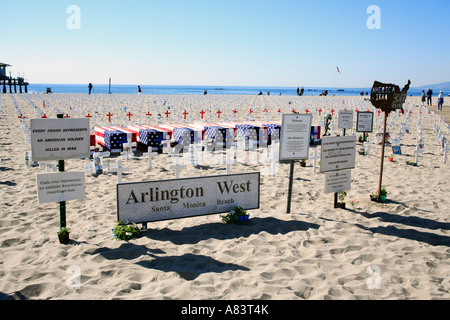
(227,42)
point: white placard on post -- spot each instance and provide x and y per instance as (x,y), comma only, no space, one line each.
(345,119)
(295,136)
(59,139)
(60,186)
(364,121)
(336,181)
(338,153)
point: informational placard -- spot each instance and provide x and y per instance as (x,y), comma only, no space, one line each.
(338,153)
(364,121)
(345,119)
(336,181)
(295,136)
(59,139)
(60,186)
(148,201)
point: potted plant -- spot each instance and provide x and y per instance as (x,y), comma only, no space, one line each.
(341,197)
(303,163)
(63,235)
(383,194)
(236,216)
(391,158)
(362,151)
(126,232)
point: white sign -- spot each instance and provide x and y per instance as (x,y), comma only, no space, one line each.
(147,201)
(336,181)
(59,139)
(60,186)
(364,122)
(295,136)
(338,153)
(345,119)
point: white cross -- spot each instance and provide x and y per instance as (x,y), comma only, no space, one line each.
(315,158)
(127,151)
(119,169)
(177,167)
(367,147)
(418,150)
(150,155)
(445,149)
(48,166)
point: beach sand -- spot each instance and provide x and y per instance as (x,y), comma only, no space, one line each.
(393,250)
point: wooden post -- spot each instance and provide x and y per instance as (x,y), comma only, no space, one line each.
(62,204)
(382,155)
(291,178)
(109,92)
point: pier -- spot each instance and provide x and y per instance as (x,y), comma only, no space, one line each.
(11,82)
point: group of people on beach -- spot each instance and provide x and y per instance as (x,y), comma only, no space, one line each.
(428,96)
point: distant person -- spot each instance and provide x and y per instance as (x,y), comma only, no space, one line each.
(423,98)
(205,92)
(139,89)
(90,86)
(298,91)
(429,94)
(268,93)
(301,91)
(440,101)
(260,93)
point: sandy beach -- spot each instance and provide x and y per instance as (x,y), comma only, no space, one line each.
(394,250)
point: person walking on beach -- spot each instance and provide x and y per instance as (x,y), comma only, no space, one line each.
(139,89)
(90,86)
(429,94)
(440,101)
(423,98)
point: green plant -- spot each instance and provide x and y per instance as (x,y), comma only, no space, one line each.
(383,191)
(233,217)
(341,196)
(63,231)
(126,232)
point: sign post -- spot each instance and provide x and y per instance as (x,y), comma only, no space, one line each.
(60,139)
(387,98)
(294,144)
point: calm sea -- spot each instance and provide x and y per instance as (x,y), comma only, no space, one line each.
(184,90)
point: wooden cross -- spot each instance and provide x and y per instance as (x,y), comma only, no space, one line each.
(417,151)
(315,158)
(44,116)
(129,116)
(202,113)
(307,110)
(150,155)
(67,116)
(367,147)
(167,113)
(89,115)
(219,112)
(109,115)
(445,149)
(185,113)
(119,169)
(320,111)
(177,167)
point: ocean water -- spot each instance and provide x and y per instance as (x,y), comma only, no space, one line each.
(211,90)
